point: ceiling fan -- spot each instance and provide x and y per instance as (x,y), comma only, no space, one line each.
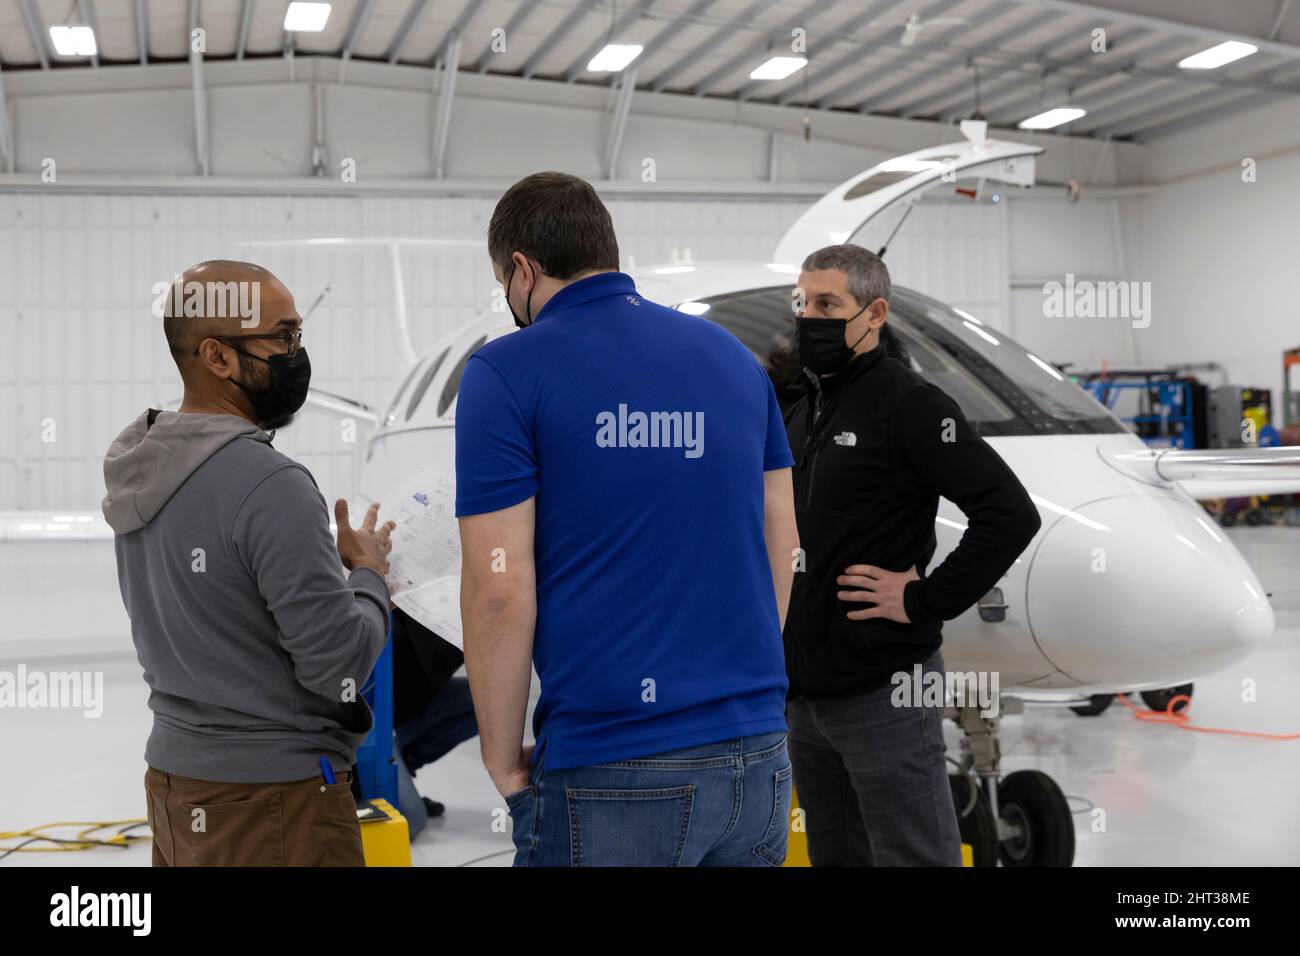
(913,26)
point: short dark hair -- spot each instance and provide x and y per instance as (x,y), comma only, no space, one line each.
(867,275)
(556,219)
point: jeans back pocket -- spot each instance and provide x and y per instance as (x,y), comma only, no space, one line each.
(776,840)
(629,827)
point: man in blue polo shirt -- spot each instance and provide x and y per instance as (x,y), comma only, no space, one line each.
(627,525)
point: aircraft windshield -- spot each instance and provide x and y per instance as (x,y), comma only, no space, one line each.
(1001,388)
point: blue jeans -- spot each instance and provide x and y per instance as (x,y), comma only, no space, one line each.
(720,804)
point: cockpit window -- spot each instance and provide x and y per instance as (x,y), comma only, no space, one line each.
(1002,389)
(453,380)
(425,381)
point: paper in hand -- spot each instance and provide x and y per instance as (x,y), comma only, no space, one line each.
(424,565)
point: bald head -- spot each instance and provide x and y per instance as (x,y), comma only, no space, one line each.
(220,298)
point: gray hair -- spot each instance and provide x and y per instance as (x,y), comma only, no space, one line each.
(868,279)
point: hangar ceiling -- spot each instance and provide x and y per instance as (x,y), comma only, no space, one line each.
(1008,58)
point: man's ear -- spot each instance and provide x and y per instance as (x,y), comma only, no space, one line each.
(879,311)
(213,358)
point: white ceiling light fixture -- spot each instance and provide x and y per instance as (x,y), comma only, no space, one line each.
(779,67)
(306,17)
(1216,56)
(693,308)
(1053,118)
(73,41)
(614,57)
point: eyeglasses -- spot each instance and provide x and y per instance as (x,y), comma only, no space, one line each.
(292,340)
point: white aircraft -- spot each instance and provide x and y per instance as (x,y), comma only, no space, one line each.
(1128,586)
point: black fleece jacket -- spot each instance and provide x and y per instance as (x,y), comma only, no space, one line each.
(875,447)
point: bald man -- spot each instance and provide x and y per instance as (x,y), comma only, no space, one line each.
(253,641)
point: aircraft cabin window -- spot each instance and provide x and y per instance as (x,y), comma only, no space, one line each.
(425,381)
(453,381)
(390,415)
(1001,388)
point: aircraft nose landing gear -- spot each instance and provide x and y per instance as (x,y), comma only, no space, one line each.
(1022,819)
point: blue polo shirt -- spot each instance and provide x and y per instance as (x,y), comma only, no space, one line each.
(644,433)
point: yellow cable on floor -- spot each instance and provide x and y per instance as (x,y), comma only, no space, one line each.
(82,841)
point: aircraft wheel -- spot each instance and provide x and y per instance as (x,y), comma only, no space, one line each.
(1096,704)
(974,820)
(1159,699)
(1031,801)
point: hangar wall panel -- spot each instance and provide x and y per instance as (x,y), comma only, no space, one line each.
(81,354)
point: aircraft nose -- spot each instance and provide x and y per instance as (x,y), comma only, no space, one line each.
(1142,589)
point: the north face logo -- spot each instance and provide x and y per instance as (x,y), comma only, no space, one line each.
(848,439)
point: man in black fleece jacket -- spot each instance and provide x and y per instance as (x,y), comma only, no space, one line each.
(875,448)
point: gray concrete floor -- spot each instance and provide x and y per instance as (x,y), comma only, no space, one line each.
(1169,796)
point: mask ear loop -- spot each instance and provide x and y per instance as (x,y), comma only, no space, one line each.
(864,334)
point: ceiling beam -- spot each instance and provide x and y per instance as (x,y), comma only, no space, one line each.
(674,27)
(360,14)
(1164,25)
(142,30)
(614,144)
(702,49)
(754,50)
(403,34)
(1215,108)
(36,30)
(629,17)
(442,123)
(457,31)
(200,95)
(819,71)
(245,24)
(1148,115)
(1014,101)
(881,98)
(6,131)
(87,8)
(900,54)
(522,13)
(564,26)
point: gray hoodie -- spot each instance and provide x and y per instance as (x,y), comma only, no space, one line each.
(254,644)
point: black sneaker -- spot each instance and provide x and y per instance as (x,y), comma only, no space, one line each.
(433,807)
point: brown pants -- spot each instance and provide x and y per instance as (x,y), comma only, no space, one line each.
(300,823)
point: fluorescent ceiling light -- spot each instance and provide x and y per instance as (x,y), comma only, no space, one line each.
(783,268)
(779,67)
(1057,117)
(672,270)
(905,165)
(1217,56)
(693,308)
(74,41)
(614,57)
(306,17)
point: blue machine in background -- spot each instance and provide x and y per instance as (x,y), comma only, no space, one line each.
(1170,409)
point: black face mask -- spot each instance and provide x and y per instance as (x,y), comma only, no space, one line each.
(518,323)
(821,343)
(275,405)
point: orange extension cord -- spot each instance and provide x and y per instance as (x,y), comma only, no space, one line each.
(1181,720)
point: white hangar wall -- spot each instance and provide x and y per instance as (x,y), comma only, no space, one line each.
(79,257)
